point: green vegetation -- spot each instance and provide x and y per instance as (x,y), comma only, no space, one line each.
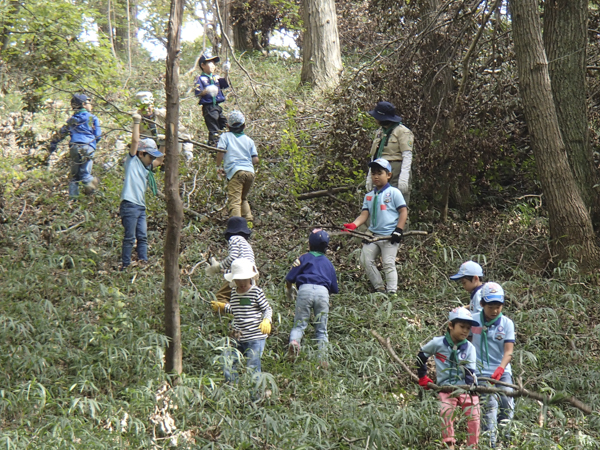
(83,343)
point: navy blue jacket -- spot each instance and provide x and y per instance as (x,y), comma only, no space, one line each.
(203,81)
(311,269)
(83,127)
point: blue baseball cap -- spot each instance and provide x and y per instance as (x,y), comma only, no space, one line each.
(383,163)
(492,293)
(463,314)
(78,100)
(468,269)
(207,57)
(149,146)
(318,238)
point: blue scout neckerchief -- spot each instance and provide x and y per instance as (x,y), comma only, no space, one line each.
(384,139)
(484,342)
(212,82)
(454,355)
(316,254)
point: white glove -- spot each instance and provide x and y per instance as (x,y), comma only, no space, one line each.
(291,293)
(136,118)
(214,268)
(404,177)
(369,181)
(226,66)
(212,90)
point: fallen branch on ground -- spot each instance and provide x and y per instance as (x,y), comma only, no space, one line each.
(516,392)
(324,193)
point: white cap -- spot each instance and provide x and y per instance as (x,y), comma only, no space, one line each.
(468,269)
(463,314)
(492,292)
(145,98)
(241,269)
(236,118)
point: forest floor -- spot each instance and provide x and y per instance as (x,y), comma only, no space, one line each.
(82,359)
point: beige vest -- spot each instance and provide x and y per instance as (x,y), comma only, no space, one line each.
(401,140)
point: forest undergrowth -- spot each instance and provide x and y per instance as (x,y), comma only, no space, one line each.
(82,365)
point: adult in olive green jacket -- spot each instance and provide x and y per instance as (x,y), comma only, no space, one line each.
(393,142)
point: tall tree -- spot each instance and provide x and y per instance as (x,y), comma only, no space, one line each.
(173,361)
(570,223)
(321,57)
(565,40)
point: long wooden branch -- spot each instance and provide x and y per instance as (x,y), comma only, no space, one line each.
(516,392)
(324,192)
(371,238)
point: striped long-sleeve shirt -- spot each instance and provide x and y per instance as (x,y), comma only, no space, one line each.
(249,309)
(238,248)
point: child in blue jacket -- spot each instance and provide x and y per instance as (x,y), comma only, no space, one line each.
(85,132)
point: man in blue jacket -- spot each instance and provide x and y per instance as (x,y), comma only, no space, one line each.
(209,88)
(85,132)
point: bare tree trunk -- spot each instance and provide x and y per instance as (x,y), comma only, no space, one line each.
(321,57)
(173,360)
(570,223)
(565,39)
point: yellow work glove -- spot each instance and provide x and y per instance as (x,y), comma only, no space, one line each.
(218,306)
(265,326)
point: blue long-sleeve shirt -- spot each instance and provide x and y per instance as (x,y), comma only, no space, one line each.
(83,127)
(313,268)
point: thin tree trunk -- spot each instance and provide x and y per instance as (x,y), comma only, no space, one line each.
(321,57)
(173,360)
(570,224)
(565,40)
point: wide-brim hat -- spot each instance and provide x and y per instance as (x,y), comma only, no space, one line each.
(468,269)
(464,315)
(385,112)
(241,269)
(237,225)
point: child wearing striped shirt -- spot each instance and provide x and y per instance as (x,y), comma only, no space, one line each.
(251,318)
(237,235)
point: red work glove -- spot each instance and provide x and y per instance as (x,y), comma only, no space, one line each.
(349,227)
(498,373)
(423,381)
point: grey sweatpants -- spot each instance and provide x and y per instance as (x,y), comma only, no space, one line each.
(388,252)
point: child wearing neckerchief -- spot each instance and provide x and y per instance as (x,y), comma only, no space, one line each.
(238,165)
(315,279)
(385,211)
(495,342)
(209,87)
(470,275)
(455,364)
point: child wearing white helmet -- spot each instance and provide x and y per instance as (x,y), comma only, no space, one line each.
(495,342)
(251,318)
(238,161)
(455,360)
(152,116)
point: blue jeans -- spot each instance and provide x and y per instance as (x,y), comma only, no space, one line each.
(81,166)
(316,299)
(252,350)
(133,218)
(491,418)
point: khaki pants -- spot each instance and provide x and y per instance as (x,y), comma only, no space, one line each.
(224,293)
(237,194)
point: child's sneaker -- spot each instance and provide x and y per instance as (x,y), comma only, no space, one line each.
(293,350)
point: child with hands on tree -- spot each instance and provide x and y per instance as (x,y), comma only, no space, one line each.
(143,157)
(251,318)
(385,210)
(494,340)
(455,360)
(315,278)
(237,234)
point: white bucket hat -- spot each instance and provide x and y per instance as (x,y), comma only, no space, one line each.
(241,269)
(144,98)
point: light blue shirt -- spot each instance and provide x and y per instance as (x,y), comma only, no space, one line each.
(240,150)
(136,181)
(390,201)
(446,372)
(501,332)
(475,305)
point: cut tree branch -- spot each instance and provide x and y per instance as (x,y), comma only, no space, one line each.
(516,392)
